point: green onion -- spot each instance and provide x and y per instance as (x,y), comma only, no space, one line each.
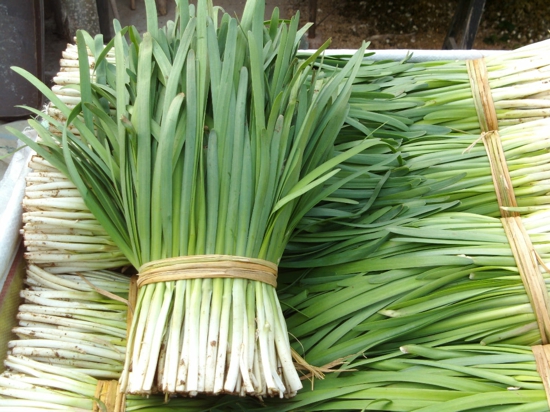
(70,336)
(60,232)
(180,164)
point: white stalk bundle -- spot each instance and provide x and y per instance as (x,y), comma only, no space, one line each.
(60,233)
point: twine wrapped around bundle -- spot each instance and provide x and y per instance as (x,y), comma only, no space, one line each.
(108,397)
(207,266)
(542,360)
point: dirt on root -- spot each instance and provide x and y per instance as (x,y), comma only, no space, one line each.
(422,24)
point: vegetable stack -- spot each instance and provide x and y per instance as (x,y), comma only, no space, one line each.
(71,325)
(198,151)
(228,162)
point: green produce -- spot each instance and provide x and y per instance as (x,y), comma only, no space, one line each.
(205,141)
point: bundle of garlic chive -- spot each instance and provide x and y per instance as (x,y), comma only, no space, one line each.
(198,151)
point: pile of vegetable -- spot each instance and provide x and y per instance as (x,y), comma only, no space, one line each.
(72,324)
(398,282)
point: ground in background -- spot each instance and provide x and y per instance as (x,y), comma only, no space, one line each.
(423,24)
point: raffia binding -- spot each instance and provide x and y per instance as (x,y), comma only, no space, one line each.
(487,116)
(542,359)
(501,176)
(207,266)
(108,397)
(524,253)
(527,261)
(483,99)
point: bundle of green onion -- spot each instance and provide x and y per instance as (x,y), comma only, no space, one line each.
(469,378)
(60,232)
(206,139)
(436,281)
(72,333)
(436,95)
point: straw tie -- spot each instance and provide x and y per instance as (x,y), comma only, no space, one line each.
(107,396)
(207,266)
(542,359)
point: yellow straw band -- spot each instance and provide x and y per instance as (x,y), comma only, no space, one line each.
(481,91)
(529,270)
(207,266)
(108,397)
(499,170)
(542,360)
(487,116)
